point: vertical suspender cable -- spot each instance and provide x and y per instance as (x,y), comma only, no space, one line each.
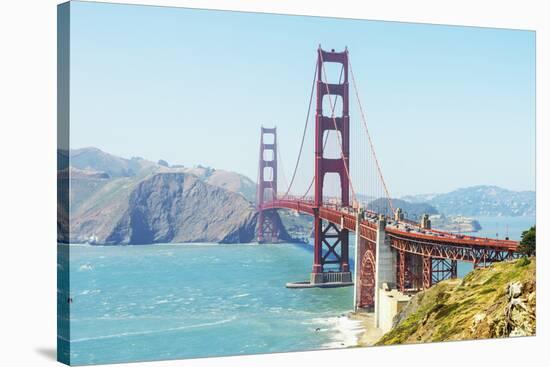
(326,137)
(303,134)
(369,138)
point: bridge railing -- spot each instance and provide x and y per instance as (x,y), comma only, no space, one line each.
(346,216)
(451,239)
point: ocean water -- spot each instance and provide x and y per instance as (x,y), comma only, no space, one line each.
(502,227)
(137,303)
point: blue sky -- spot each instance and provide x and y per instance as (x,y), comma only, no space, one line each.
(447,106)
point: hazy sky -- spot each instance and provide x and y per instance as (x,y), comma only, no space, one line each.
(447,107)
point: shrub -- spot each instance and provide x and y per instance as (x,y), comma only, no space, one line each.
(527,246)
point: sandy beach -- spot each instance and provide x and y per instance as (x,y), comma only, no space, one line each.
(368,334)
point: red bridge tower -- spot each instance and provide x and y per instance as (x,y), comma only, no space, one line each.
(267,186)
(331,246)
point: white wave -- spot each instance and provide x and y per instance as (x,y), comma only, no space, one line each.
(89,291)
(85,267)
(241,295)
(344,331)
(148,332)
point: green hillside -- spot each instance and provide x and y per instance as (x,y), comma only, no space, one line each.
(498,301)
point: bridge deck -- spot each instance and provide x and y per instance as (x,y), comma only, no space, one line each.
(406,235)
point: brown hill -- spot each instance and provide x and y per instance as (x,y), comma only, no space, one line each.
(164,207)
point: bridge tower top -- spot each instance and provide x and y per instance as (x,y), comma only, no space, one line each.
(326,123)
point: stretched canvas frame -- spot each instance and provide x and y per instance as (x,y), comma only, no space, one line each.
(401,255)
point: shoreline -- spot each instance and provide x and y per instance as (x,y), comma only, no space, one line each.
(369,335)
(349,330)
(344,332)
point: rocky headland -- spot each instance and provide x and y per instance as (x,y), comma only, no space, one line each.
(495,302)
(116,201)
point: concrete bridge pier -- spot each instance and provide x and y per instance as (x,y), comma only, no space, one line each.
(384,271)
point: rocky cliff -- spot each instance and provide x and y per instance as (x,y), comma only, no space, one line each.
(499,301)
(168,207)
(114,200)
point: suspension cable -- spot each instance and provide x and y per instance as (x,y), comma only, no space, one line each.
(313,178)
(282,167)
(326,137)
(369,137)
(303,134)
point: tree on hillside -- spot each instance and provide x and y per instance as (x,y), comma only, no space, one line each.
(527,246)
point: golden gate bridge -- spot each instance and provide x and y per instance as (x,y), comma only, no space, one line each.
(390,248)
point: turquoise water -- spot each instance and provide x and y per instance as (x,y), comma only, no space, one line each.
(136,303)
(504,226)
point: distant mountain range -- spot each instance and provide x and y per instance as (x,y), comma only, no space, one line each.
(114,200)
(480,201)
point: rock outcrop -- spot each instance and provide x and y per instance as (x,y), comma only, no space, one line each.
(113,200)
(496,302)
(168,207)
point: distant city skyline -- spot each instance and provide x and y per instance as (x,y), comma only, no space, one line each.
(447,106)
